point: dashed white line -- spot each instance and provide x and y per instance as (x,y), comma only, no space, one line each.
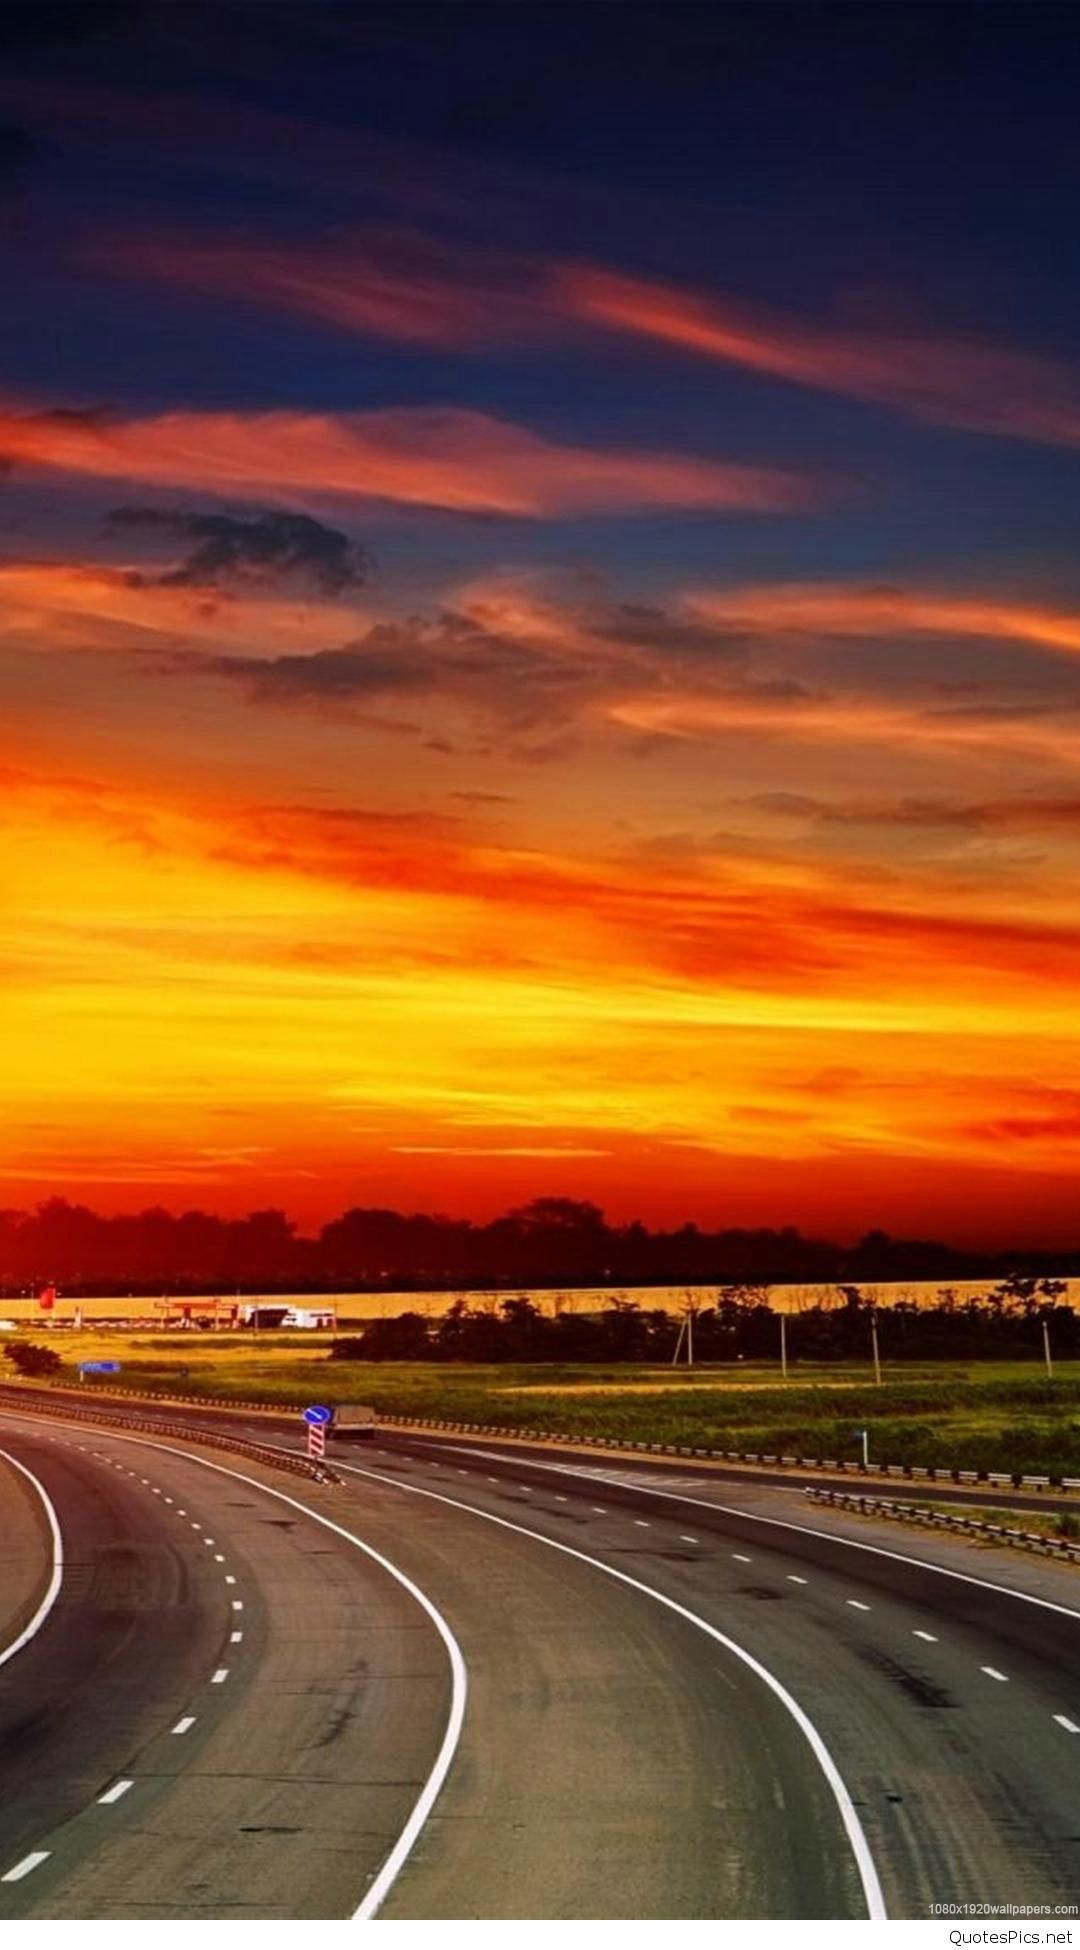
(220,1676)
(740,1559)
(28,1863)
(235,1638)
(793,1578)
(1062,1720)
(856,1604)
(229,1579)
(238,1604)
(183,1725)
(560,1499)
(867,1872)
(598,1510)
(993,1673)
(113,1794)
(928,1636)
(684,1539)
(640,1523)
(219,1557)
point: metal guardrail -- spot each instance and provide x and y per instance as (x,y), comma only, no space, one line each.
(836,1466)
(917,1513)
(314,1471)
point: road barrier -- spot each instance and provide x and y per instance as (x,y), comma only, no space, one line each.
(296,1465)
(918,1513)
(287,1411)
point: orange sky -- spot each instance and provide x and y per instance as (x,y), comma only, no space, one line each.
(539,618)
(264,947)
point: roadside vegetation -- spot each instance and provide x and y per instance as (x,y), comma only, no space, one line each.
(992,1416)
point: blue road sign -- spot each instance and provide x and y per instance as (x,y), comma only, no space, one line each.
(99,1367)
(317,1415)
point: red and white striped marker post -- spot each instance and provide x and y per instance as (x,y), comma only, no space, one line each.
(316,1440)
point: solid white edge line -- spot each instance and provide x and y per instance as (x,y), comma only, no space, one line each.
(860,1848)
(56,1575)
(807,1530)
(459,1681)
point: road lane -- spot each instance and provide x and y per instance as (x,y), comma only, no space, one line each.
(273,1698)
(960,1780)
(614,1762)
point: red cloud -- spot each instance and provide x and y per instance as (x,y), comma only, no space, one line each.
(953,382)
(442,458)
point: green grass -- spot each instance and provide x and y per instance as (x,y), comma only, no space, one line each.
(1003,1416)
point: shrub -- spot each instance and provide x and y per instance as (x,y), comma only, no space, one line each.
(30,1359)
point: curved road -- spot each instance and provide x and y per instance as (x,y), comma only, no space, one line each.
(619,1756)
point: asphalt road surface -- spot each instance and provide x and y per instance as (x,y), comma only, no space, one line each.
(685,1698)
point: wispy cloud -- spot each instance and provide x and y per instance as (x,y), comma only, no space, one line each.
(951,381)
(846,610)
(444,458)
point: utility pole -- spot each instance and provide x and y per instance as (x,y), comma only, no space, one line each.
(874,1344)
(1046,1350)
(678,1343)
(783,1346)
(690,1337)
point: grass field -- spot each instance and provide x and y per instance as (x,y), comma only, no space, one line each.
(1005,1416)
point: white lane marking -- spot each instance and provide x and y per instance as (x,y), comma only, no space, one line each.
(493,1479)
(856,1604)
(640,1523)
(598,1510)
(560,1499)
(194,1525)
(740,1559)
(860,1848)
(208,1540)
(684,1539)
(113,1794)
(459,1682)
(220,1676)
(928,1636)
(794,1579)
(181,1513)
(219,1557)
(1062,1720)
(168,1499)
(28,1863)
(993,1673)
(229,1579)
(56,1570)
(235,1638)
(825,1537)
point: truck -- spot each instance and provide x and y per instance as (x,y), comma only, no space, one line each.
(352,1420)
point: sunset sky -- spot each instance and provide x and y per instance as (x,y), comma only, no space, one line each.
(540,610)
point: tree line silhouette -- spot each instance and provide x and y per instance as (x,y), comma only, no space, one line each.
(549,1243)
(1005,1323)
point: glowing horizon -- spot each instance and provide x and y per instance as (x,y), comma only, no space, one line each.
(513,692)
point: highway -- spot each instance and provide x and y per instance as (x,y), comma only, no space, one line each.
(677,1697)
